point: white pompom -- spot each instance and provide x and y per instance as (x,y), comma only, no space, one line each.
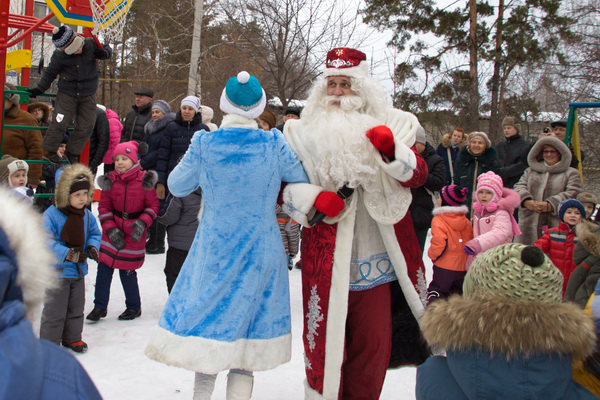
(243,77)
(55,30)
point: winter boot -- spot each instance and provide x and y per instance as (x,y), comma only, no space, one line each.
(239,386)
(130,314)
(73,158)
(157,243)
(96,314)
(204,384)
(78,347)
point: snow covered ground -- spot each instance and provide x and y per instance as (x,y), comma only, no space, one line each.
(117,364)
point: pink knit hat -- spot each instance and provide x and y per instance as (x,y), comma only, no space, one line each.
(491,182)
(131,149)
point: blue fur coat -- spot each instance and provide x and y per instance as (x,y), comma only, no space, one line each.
(230,305)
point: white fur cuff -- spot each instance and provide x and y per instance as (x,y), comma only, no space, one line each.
(403,167)
(298,200)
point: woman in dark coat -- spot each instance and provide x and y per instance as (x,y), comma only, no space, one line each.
(473,160)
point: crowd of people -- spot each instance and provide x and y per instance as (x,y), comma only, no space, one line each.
(349,183)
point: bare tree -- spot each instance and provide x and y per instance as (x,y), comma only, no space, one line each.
(293,38)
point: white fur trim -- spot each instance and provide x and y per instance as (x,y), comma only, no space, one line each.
(403,167)
(238,121)
(450,209)
(29,241)
(212,356)
(229,108)
(299,199)
(312,394)
(338,307)
(360,71)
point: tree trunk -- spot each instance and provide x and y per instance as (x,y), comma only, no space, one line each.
(494,135)
(194,81)
(473,113)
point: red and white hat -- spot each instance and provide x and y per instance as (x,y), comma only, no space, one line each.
(344,61)
(491,182)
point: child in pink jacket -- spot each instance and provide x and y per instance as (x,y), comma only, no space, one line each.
(493,220)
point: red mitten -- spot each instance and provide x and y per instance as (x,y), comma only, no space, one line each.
(382,139)
(329,204)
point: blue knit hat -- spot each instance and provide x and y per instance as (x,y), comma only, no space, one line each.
(244,96)
(568,203)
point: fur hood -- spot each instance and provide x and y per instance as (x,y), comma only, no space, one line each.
(509,201)
(446,140)
(27,240)
(160,124)
(66,179)
(588,234)
(43,106)
(508,327)
(540,166)
(148,181)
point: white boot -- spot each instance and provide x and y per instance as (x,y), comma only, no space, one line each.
(239,386)
(204,385)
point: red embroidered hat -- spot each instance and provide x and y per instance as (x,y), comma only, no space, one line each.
(345,61)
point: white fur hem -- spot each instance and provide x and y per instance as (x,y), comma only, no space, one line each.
(212,356)
(312,394)
(299,199)
(403,167)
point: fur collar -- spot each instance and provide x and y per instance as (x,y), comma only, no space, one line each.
(28,241)
(450,210)
(66,179)
(466,157)
(152,127)
(508,327)
(149,180)
(540,166)
(588,234)
(446,141)
(237,121)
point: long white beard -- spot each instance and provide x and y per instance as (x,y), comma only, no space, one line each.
(335,138)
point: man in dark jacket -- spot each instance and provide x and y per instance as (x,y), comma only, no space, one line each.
(422,196)
(75,61)
(99,139)
(136,119)
(512,153)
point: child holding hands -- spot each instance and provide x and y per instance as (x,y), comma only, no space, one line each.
(493,220)
(127,207)
(450,230)
(75,236)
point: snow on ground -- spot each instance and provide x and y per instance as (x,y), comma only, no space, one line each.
(117,364)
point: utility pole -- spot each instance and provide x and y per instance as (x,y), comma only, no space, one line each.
(194,80)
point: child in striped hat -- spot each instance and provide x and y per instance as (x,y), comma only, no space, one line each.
(450,230)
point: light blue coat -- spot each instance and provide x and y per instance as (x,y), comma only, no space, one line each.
(230,305)
(54,220)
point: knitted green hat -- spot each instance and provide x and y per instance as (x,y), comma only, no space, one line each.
(517,271)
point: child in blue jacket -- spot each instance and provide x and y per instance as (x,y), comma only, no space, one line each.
(75,236)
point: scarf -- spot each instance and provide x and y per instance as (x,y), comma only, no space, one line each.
(73,233)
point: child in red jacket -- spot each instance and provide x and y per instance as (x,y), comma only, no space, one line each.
(127,207)
(559,243)
(450,230)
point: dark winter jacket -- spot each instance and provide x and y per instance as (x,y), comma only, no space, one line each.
(422,201)
(78,72)
(586,257)
(181,219)
(30,368)
(468,167)
(446,147)
(135,121)
(131,192)
(153,135)
(512,154)
(175,142)
(99,140)
(500,348)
